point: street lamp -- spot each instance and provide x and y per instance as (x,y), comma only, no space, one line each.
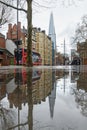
(17,36)
(64,51)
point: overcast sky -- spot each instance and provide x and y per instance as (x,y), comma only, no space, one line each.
(65,20)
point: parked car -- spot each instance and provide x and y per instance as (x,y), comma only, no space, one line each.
(76,61)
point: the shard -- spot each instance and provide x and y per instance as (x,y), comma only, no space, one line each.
(52,35)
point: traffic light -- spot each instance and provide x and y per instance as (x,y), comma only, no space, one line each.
(18,42)
(18,55)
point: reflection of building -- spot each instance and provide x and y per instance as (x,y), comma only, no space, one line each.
(81,100)
(75,71)
(55,75)
(52,96)
(2,87)
(4,80)
(59,74)
(82,81)
(74,77)
(41,87)
(52,35)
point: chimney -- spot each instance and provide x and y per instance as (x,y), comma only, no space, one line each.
(39,29)
(9,31)
(19,25)
(9,26)
(43,31)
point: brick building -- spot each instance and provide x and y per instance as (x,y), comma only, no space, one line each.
(16,33)
(82,50)
(59,59)
(2,48)
(5,55)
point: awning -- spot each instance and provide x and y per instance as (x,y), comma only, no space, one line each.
(1,50)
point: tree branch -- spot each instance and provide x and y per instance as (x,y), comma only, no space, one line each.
(21,124)
(8,5)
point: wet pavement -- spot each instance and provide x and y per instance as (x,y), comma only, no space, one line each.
(43,98)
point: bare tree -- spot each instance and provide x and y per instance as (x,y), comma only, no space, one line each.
(5,13)
(81,30)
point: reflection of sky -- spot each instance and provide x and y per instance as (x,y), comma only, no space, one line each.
(64,85)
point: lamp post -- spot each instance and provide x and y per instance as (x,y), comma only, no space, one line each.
(64,51)
(56,57)
(17,36)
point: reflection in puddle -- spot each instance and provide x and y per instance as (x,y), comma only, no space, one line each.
(43,99)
